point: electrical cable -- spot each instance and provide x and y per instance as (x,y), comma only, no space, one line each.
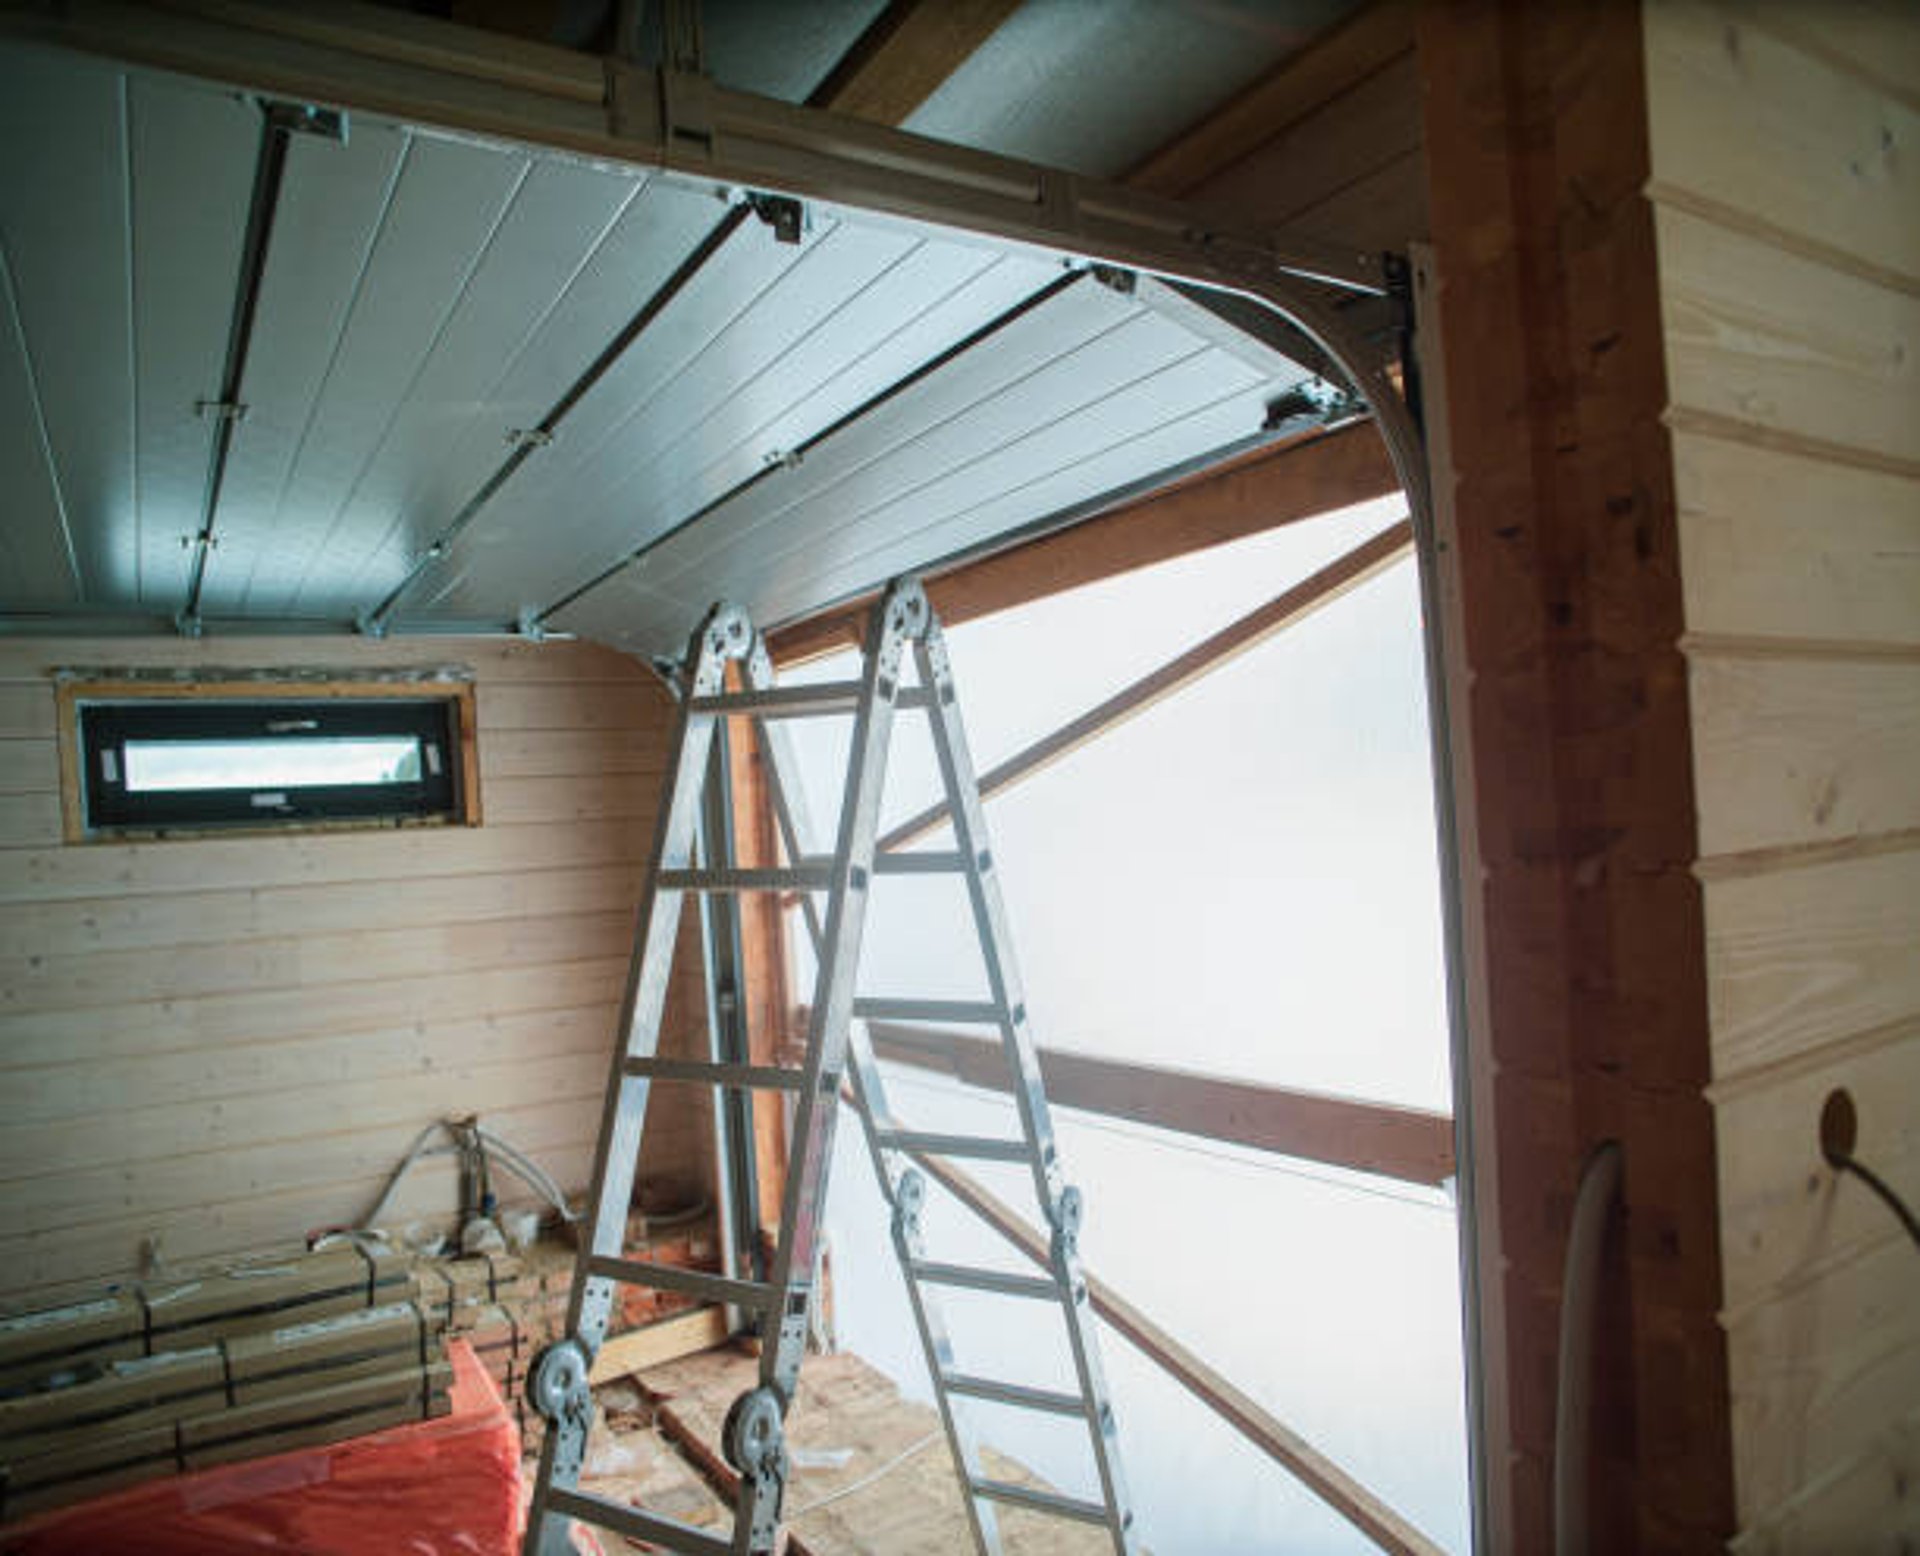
(868,1479)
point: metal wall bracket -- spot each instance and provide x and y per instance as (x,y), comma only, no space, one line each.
(308,119)
(785,215)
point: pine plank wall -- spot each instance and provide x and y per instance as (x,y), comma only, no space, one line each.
(222,1043)
(1785,147)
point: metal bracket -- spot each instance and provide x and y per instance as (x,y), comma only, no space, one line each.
(530,626)
(529,437)
(1116,279)
(308,119)
(368,625)
(1312,403)
(785,215)
(221,410)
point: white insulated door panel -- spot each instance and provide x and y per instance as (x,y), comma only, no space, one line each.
(333,199)
(557,218)
(639,488)
(928,300)
(658,227)
(539,534)
(65,245)
(446,204)
(195,151)
(1126,440)
(927,421)
(37,562)
(992,443)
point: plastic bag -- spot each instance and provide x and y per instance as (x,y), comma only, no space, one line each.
(447,1487)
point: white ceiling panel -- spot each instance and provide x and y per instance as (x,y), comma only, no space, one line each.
(333,199)
(557,218)
(714,412)
(655,231)
(36,549)
(194,152)
(545,522)
(64,226)
(446,206)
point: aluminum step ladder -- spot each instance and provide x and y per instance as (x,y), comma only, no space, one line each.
(838,1056)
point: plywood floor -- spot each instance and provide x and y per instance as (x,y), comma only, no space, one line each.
(872,1474)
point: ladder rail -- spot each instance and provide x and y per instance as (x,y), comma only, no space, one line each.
(967,815)
(790,818)
(722,633)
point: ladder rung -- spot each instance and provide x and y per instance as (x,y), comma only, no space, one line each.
(748,1076)
(667,1533)
(977,1147)
(694,1283)
(806,878)
(1014,1394)
(1040,1501)
(974,1012)
(784,702)
(984,1280)
(931,862)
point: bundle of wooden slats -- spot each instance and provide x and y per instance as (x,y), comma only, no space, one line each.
(250,1359)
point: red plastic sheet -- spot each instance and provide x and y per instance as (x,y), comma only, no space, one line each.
(448,1487)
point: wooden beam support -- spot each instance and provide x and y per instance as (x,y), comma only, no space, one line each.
(652,1345)
(1286,1447)
(1410,1144)
(1365,561)
(1299,479)
(906,54)
(1358,47)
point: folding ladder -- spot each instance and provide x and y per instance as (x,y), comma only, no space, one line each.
(837,1053)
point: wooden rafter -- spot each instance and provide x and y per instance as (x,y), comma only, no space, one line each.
(902,59)
(1299,479)
(1365,561)
(1370,39)
(1326,1479)
(1410,1144)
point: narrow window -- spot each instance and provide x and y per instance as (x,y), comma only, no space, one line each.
(211,760)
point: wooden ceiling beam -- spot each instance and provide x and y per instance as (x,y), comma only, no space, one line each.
(1298,479)
(1370,39)
(905,56)
(1412,1145)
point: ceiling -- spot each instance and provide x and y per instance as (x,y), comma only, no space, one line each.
(467,384)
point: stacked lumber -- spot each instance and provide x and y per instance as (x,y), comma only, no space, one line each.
(510,1306)
(254,1358)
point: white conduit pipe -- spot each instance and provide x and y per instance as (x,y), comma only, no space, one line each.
(1579,1303)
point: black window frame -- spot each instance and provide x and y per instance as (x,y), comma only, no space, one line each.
(106,725)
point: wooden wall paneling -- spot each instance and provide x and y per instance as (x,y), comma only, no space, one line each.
(50,1093)
(90,924)
(1752,130)
(1819,1366)
(1811,955)
(1794,750)
(227,1041)
(1871,1495)
(1782,1211)
(48,1037)
(357,854)
(1797,352)
(1754,563)
(1880,42)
